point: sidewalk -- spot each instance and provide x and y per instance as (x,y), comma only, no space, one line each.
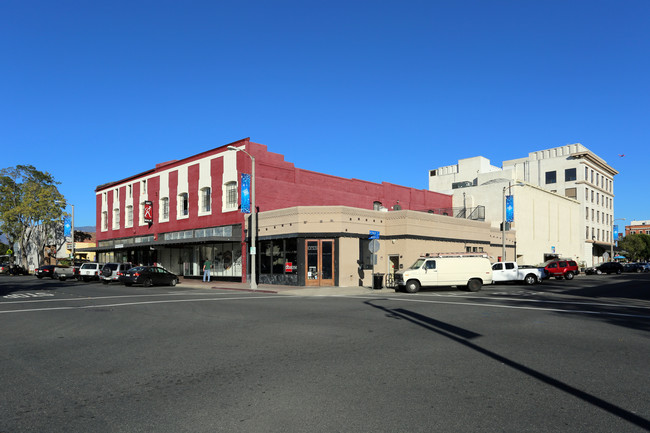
(281,290)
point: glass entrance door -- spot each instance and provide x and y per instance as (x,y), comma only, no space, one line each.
(320,262)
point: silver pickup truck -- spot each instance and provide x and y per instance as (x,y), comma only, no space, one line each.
(63,272)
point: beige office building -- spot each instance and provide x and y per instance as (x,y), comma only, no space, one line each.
(563,201)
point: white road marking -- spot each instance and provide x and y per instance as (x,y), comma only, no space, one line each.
(513,307)
(127,304)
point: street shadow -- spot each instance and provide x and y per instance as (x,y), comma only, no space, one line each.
(620,300)
(463,337)
(622,286)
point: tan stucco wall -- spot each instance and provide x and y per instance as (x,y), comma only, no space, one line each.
(405,234)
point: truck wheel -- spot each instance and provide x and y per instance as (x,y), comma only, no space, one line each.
(474,285)
(569,275)
(530,279)
(412,286)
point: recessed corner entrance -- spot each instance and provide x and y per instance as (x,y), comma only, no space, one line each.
(320,262)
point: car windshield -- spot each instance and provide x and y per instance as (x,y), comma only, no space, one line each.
(137,269)
(88,266)
(417,264)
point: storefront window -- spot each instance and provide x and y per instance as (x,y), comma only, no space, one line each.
(278,257)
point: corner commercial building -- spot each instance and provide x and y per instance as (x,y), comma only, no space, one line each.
(312,228)
(563,207)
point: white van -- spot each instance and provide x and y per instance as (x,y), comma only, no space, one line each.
(469,270)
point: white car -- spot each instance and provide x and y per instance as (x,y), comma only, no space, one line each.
(90,271)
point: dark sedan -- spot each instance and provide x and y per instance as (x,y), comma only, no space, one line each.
(148,276)
(45,271)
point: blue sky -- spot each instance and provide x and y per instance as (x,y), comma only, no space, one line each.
(95,91)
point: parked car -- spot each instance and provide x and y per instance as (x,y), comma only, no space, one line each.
(610,268)
(561,268)
(110,271)
(633,267)
(45,271)
(148,276)
(90,271)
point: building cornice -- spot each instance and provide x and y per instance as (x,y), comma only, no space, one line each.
(595,160)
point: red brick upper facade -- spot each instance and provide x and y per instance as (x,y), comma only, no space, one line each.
(199,191)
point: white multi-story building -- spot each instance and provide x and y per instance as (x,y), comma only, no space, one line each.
(565,206)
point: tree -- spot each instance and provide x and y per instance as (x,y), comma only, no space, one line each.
(636,246)
(31,207)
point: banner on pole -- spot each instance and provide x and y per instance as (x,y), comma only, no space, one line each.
(67,226)
(245,193)
(510,208)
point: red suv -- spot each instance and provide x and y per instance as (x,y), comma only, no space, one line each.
(561,269)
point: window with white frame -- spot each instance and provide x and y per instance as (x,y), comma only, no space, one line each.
(183,204)
(206,198)
(129,216)
(164,203)
(231,195)
(105,220)
(116,218)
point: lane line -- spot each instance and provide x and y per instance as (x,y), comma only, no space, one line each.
(128,304)
(86,298)
(513,307)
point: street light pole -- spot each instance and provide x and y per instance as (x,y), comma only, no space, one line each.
(72,234)
(253,217)
(503,221)
(611,247)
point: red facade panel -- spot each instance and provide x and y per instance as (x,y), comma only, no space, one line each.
(278,185)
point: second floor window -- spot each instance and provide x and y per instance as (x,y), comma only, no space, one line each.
(116,218)
(129,216)
(205,199)
(165,208)
(183,204)
(231,195)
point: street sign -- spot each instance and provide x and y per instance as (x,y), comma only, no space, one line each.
(373,234)
(373,246)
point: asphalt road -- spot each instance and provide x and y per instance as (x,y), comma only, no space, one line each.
(561,356)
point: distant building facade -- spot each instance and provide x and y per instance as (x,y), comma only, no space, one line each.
(565,208)
(638,227)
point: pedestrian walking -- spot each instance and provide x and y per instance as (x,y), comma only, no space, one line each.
(206,270)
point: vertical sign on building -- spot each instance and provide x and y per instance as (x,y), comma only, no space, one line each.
(510,208)
(245,193)
(148,212)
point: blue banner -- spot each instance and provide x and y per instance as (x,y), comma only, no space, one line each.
(245,193)
(510,208)
(67,226)
(615,235)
